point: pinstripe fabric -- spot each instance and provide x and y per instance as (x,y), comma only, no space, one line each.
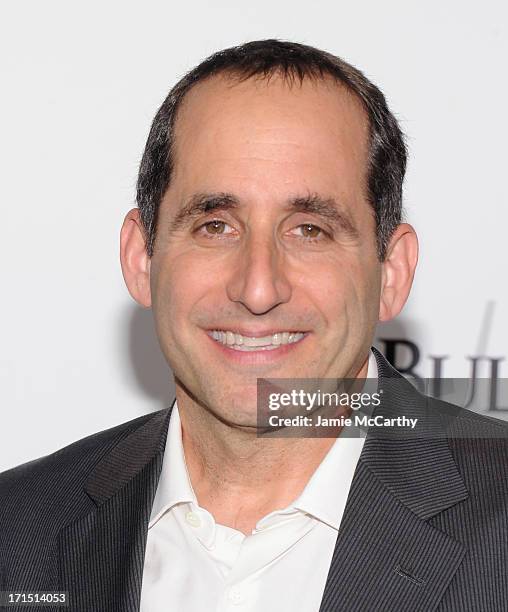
(119,526)
(425,526)
(482,525)
(77,519)
(380,542)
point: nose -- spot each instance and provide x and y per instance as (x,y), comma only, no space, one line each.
(259,281)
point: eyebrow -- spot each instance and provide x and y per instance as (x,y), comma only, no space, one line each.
(327,208)
(204,203)
(201,204)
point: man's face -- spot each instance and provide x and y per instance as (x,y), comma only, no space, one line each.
(265,233)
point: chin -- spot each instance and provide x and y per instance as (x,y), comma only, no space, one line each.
(239,401)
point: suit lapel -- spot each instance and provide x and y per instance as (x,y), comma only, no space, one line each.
(387,555)
(102,549)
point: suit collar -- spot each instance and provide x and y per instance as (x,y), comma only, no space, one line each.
(128,457)
(388,555)
(102,547)
(416,466)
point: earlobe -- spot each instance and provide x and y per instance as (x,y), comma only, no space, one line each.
(134,259)
(398,271)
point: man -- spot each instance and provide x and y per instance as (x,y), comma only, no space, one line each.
(268,242)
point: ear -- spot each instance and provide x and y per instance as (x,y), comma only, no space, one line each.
(134,259)
(398,271)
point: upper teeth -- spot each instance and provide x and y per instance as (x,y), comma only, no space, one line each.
(238,341)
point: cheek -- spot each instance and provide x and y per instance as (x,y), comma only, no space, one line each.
(181,283)
(330,284)
(344,291)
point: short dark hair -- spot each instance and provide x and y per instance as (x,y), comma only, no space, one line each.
(387,150)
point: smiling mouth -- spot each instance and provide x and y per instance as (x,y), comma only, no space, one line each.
(239,342)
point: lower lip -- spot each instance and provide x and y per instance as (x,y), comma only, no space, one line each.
(257,357)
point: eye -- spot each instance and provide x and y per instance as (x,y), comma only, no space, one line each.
(215,228)
(309,231)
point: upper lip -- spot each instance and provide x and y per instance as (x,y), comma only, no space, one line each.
(256,333)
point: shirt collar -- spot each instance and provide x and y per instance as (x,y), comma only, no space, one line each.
(318,499)
(174,485)
(326,492)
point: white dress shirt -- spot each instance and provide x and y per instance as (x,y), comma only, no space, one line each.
(193,564)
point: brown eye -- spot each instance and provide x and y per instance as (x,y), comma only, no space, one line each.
(215,227)
(310,231)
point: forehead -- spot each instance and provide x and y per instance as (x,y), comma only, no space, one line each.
(308,135)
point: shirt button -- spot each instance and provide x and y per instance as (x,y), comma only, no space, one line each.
(193,519)
(235,596)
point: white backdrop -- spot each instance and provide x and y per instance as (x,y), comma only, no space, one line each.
(81,83)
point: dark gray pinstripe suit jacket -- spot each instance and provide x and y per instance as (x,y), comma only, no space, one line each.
(425,526)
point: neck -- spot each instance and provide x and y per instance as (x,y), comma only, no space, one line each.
(238,476)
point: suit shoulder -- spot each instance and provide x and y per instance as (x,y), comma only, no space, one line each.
(479,445)
(464,423)
(70,461)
